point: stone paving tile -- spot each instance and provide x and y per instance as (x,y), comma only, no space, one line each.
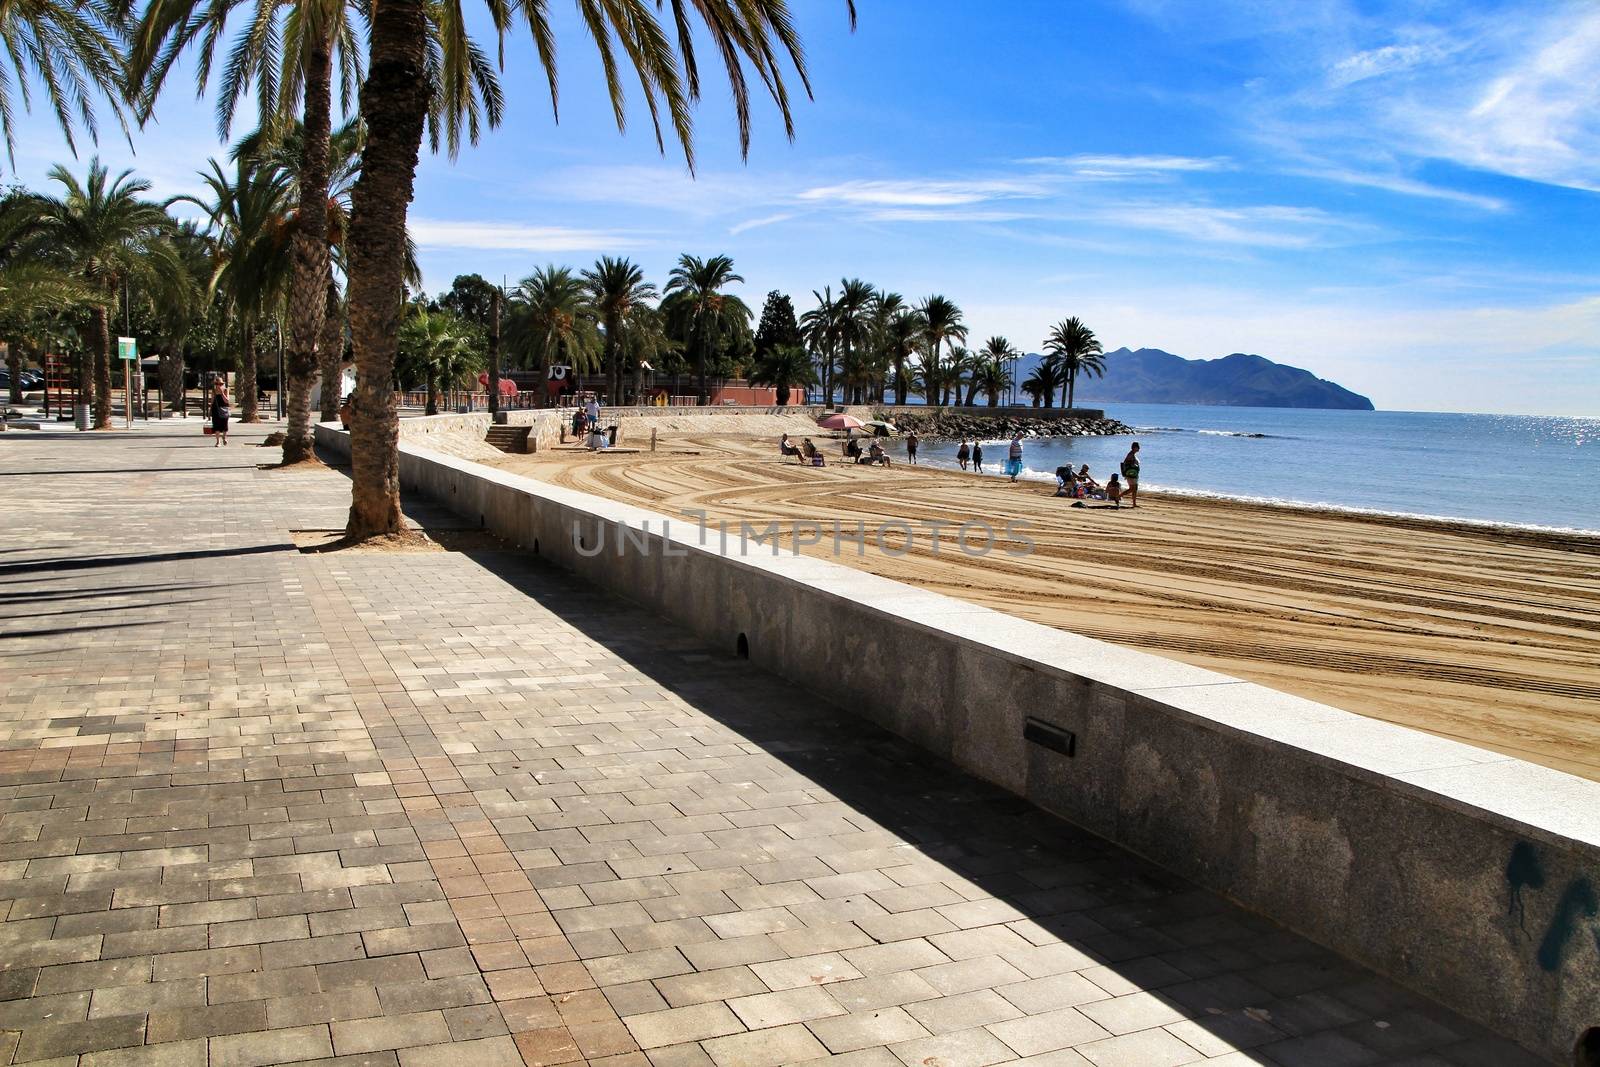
(404,810)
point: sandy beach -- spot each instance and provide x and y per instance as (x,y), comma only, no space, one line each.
(1487,636)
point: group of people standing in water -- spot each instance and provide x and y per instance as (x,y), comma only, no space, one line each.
(1077,484)
(1070,483)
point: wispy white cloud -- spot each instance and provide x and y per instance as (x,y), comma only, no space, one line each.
(1389,59)
(959,214)
(1397,183)
(765,220)
(1261,225)
(1088,166)
(505,235)
(922,193)
(1508,91)
(1536,116)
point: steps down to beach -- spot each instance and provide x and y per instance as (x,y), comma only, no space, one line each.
(508,438)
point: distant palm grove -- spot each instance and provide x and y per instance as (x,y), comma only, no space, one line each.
(301,244)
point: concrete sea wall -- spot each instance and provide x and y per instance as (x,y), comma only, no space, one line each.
(1469,876)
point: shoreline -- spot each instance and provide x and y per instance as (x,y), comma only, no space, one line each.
(1576,538)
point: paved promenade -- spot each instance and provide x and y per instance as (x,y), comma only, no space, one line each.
(262,806)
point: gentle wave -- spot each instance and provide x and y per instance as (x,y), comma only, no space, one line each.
(1234,433)
(1350,509)
(1158,429)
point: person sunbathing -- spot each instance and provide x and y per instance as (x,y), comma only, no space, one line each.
(787,449)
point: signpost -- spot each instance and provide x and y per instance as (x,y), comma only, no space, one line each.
(128,352)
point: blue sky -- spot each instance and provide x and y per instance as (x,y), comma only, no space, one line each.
(1402,197)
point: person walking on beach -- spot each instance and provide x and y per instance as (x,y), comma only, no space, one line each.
(1130,474)
(911,447)
(220,410)
(962,453)
(1014,456)
(977,456)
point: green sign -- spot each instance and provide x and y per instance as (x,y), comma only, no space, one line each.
(127,348)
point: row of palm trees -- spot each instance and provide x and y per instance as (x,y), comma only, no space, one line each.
(862,345)
(867,341)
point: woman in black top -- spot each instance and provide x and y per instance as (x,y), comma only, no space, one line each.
(220,409)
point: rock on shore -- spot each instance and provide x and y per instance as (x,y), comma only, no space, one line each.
(941,423)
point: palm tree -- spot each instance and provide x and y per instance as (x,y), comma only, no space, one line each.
(36,289)
(288,50)
(552,322)
(818,327)
(72,48)
(784,367)
(615,287)
(438,347)
(700,283)
(1076,351)
(962,365)
(109,235)
(644,333)
(992,374)
(252,229)
(394,106)
(901,335)
(941,321)
(852,323)
(1043,382)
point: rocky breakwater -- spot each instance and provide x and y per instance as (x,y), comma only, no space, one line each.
(956,424)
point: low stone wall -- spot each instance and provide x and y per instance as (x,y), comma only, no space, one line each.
(1464,874)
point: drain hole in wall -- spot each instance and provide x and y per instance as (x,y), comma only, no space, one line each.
(742,647)
(1586,1053)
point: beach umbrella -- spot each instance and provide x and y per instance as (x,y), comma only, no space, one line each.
(882,422)
(839,422)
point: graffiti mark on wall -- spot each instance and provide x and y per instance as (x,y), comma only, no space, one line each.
(1579,903)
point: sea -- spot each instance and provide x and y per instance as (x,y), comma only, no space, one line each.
(1530,471)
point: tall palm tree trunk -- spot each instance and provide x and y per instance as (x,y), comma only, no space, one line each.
(700,366)
(431,384)
(170,372)
(613,361)
(901,386)
(14,368)
(249,386)
(1072,384)
(394,103)
(494,351)
(330,351)
(100,343)
(307,292)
